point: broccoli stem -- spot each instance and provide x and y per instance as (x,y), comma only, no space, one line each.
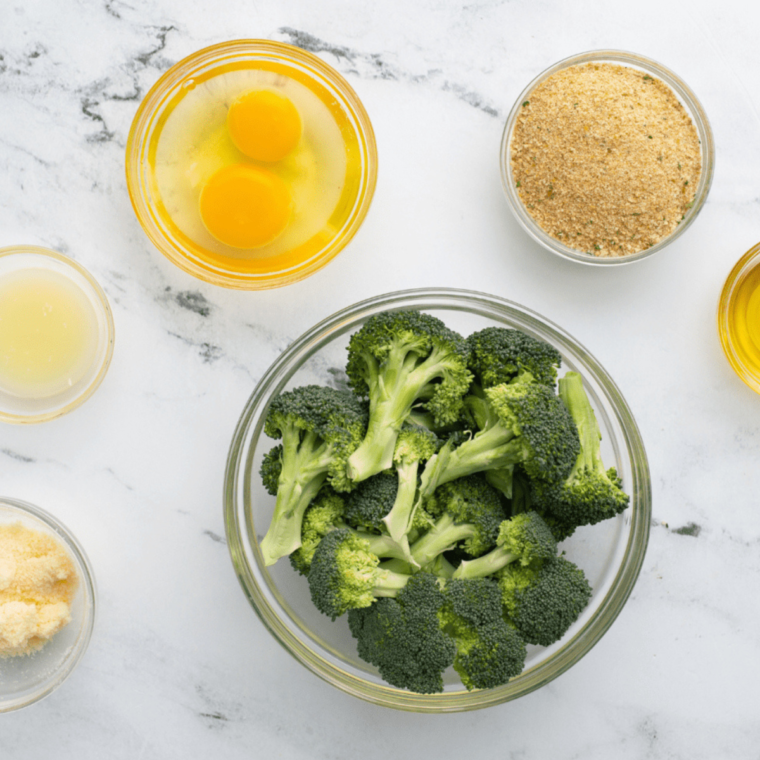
(284,534)
(574,396)
(399,519)
(399,383)
(389,583)
(501,479)
(490,449)
(305,465)
(383,546)
(441,567)
(488,564)
(442,536)
(375,452)
(397,565)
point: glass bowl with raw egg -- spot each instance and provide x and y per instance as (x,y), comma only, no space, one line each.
(56,334)
(251,164)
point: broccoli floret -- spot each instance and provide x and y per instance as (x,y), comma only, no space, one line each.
(590,493)
(522,501)
(371,501)
(319,428)
(402,637)
(325,514)
(543,599)
(499,355)
(414,445)
(489,650)
(470,511)
(543,425)
(344,574)
(398,359)
(522,423)
(271,467)
(525,538)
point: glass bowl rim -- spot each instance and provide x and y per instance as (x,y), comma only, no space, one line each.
(572,651)
(89,590)
(748,262)
(684,94)
(103,306)
(152,104)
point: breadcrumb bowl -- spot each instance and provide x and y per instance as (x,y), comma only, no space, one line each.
(598,177)
(28,678)
(610,553)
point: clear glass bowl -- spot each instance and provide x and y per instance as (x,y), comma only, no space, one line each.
(610,553)
(226,269)
(27,679)
(687,98)
(731,338)
(18,409)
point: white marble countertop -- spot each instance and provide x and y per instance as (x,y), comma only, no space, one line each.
(179,665)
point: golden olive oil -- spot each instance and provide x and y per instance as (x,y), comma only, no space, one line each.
(744,320)
(48,333)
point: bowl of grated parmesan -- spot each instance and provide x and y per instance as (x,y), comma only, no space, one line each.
(47,603)
(606,157)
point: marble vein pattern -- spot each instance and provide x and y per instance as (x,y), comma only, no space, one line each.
(180,666)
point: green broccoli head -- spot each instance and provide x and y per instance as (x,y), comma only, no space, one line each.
(590,493)
(325,514)
(561,529)
(546,431)
(470,501)
(544,599)
(344,574)
(585,498)
(271,468)
(401,636)
(521,423)
(527,537)
(500,355)
(319,428)
(322,426)
(400,360)
(523,501)
(489,650)
(371,500)
(473,500)
(414,444)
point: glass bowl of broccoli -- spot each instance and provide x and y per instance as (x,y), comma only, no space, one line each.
(437,500)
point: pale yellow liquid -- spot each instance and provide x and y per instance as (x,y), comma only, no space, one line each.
(48,333)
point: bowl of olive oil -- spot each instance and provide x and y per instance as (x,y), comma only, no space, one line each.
(739,318)
(251,164)
(56,334)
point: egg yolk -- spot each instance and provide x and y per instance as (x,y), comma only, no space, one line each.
(264,125)
(245,207)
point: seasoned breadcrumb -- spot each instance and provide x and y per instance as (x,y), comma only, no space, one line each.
(605,158)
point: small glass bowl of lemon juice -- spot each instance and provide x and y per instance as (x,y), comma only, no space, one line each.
(251,164)
(56,334)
